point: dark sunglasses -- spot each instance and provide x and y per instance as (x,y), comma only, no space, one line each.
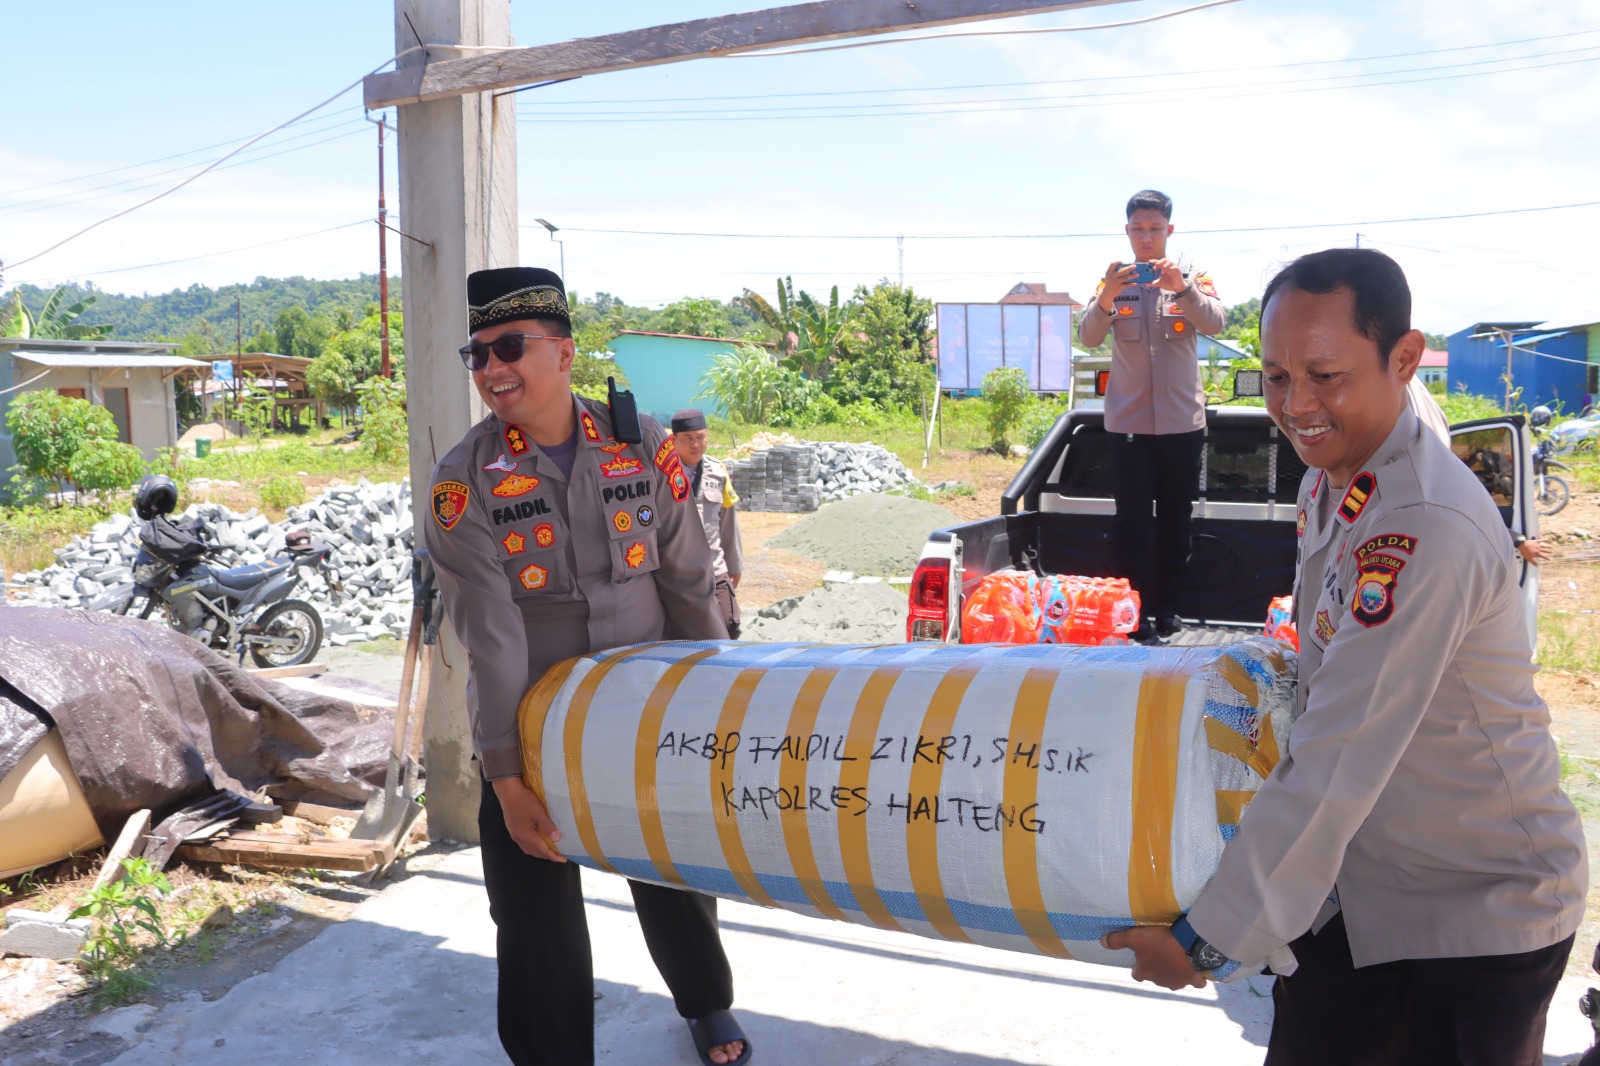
(507,348)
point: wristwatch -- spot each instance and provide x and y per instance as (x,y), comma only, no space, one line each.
(1184,292)
(1202,955)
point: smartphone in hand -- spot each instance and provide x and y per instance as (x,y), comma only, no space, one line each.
(1143,273)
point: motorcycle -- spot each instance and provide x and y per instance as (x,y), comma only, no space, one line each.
(1550,492)
(238,610)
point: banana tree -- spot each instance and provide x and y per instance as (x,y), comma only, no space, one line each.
(820,332)
(779,319)
(53,321)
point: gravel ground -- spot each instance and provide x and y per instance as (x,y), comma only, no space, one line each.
(867,534)
(836,614)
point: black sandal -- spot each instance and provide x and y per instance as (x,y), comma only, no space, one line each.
(715,1029)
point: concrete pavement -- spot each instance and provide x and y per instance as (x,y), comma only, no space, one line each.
(409,979)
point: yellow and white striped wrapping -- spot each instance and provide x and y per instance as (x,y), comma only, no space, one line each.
(1029,797)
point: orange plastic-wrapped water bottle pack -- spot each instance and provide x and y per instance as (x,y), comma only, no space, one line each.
(1280,621)
(1021,607)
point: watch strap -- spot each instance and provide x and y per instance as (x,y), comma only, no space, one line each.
(1184,934)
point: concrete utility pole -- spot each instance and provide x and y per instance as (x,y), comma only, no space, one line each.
(449,154)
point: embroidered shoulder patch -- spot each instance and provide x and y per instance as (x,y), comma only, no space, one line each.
(1387,543)
(450,503)
(534,577)
(677,480)
(635,555)
(1204,283)
(1356,496)
(665,454)
(515,485)
(514,543)
(544,534)
(590,433)
(623,521)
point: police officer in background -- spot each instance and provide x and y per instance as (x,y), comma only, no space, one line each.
(1413,849)
(712,490)
(1155,405)
(554,539)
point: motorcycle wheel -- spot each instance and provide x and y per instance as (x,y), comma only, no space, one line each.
(291,618)
(1553,496)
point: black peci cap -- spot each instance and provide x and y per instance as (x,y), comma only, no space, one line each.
(688,419)
(507,294)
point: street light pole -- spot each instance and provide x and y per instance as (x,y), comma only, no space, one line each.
(561,245)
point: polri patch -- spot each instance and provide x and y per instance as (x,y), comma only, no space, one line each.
(516,443)
(450,503)
(635,554)
(1356,496)
(1375,585)
(534,577)
(664,453)
(515,485)
(514,543)
(1387,543)
(590,433)
(622,521)
(1204,284)
(621,467)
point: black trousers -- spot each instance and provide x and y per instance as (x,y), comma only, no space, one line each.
(728,604)
(1159,473)
(1483,1011)
(546,984)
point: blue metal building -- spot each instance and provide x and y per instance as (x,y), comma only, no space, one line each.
(1549,366)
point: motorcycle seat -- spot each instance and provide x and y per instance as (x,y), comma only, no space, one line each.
(242,578)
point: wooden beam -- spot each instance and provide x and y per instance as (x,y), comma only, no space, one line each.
(796,24)
(251,848)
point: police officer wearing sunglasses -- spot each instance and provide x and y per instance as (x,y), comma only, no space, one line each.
(553,539)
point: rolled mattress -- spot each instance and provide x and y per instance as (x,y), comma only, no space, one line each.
(1028,797)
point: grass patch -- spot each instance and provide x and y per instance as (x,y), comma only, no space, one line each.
(30,535)
(900,431)
(1569,641)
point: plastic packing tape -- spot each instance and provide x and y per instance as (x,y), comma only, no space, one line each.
(1027,797)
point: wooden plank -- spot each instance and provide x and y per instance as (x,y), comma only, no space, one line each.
(287,852)
(132,830)
(316,812)
(795,24)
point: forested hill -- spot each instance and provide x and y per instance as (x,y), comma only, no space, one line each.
(201,312)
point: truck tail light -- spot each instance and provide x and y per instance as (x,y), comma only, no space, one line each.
(930,600)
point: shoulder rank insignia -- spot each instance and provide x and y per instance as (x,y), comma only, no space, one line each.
(590,433)
(1356,496)
(621,467)
(544,534)
(533,576)
(515,485)
(514,543)
(450,503)
(516,443)
(635,555)
(1204,284)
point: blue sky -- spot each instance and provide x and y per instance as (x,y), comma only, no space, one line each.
(1253,114)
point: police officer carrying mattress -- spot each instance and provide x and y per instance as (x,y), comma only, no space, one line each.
(554,538)
(713,494)
(1411,869)
(1155,404)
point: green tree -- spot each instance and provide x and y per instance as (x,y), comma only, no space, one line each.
(1437,341)
(48,430)
(695,316)
(53,320)
(332,378)
(589,373)
(593,338)
(820,332)
(301,334)
(779,319)
(886,357)
(383,421)
(100,465)
(1007,398)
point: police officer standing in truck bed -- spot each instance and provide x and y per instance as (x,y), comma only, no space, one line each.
(1155,404)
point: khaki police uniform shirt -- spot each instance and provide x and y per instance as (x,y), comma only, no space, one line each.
(536,567)
(1155,372)
(1420,781)
(717,501)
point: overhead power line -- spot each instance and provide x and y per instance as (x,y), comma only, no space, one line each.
(1069,236)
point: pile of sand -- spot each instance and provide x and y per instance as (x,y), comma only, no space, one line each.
(867,534)
(838,614)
